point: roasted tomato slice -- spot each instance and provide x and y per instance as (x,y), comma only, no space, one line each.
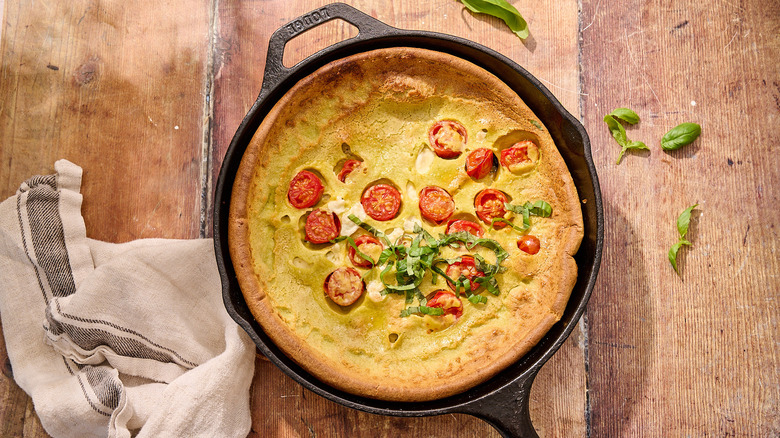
(381,201)
(305,189)
(479,163)
(529,244)
(489,204)
(448,138)
(348,167)
(467,268)
(322,226)
(436,204)
(447,301)
(520,155)
(455,226)
(368,245)
(344,286)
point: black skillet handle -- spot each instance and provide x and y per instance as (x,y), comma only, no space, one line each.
(508,409)
(367,26)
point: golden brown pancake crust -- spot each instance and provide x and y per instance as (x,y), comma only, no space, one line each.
(378,107)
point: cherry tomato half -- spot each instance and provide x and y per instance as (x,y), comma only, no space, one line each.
(447,301)
(463,225)
(322,226)
(381,201)
(529,244)
(519,154)
(344,286)
(489,204)
(467,268)
(368,245)
(479,163)
(436,204)
(348,167)
(448,138)
(305,189)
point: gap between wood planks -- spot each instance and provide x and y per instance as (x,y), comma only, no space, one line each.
(581,107)
(207,146)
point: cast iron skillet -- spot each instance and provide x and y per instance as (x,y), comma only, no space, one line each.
(503,400)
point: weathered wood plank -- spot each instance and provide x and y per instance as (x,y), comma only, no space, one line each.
(116,88)
(281,407)
(694,354)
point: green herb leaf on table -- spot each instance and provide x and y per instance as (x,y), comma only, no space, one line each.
(683,222)
(673,253)
(626,115)
(619,132)
(679,136)
(503,10)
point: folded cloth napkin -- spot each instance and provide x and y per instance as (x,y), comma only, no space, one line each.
(116,340)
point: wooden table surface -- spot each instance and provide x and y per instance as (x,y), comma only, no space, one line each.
(146,96)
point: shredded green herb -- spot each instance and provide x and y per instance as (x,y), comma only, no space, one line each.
(404,265)
(539,208)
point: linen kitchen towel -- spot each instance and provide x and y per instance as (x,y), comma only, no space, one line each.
(116,340)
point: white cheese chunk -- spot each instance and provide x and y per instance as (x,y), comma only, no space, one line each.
(424,160)
(347,226)
(409,224)
(411,193)
(338,206)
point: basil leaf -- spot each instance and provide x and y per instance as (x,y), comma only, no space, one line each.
(625,115)
(617,130)
(684,220)
(679,136)
(514,227)
(673,253)
(541,208)
(503,10)
(477,299)
(425,310)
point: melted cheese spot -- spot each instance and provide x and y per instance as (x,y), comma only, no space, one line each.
(374,290)
(410,222)
(338,206)
(411,193)
(347,226)
(458,181)
(424,160)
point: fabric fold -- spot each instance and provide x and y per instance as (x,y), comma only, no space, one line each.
(116,339)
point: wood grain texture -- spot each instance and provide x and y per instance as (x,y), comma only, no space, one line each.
(694,354)
(117,89)
(552,54)
(106,84)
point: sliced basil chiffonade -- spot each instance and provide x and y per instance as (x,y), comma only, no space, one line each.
(404,267)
